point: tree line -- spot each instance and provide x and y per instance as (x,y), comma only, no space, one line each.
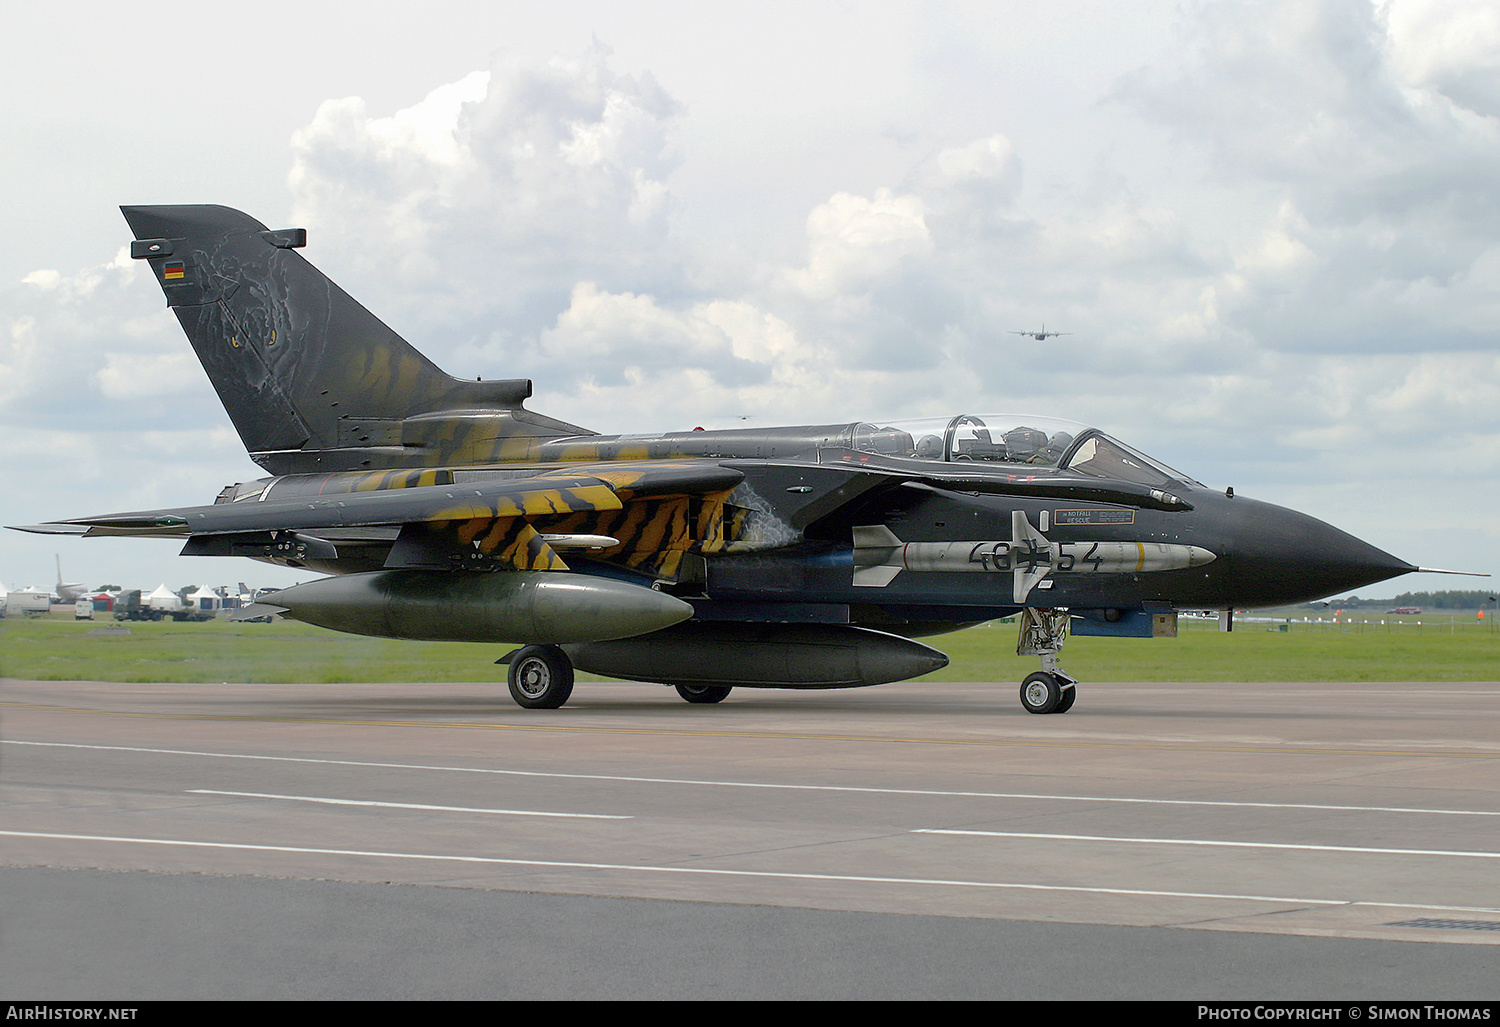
(1472,599)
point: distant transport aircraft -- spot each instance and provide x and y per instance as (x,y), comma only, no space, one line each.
(1041,336)
(810,556)
(68,591)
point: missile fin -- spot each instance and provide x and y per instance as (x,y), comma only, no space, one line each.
(875,536)
(875,577)
(1027,540)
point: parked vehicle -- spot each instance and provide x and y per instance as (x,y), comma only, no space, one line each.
(30,602)
(129,605)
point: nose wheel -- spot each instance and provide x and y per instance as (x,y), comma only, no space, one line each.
(1044,692)
(1051,689)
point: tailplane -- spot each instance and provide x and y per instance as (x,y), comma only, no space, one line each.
(311,379)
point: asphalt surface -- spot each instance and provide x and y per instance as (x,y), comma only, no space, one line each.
(1164,841)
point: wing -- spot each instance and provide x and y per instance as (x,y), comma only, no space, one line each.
(531,496)
(475,523)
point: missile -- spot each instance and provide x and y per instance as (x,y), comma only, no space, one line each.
(760,656)
(1029,556)
(507,606)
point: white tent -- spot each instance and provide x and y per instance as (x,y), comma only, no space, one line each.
(163,598)
(204,599)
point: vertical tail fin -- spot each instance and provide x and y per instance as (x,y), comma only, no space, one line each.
(311,379)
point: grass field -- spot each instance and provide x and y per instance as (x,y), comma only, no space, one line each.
(56,648)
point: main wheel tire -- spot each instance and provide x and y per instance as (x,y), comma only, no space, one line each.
(541,677)
(704,694)
(1066,702)
(1040,693)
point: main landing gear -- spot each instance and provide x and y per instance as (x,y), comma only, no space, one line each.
(1051,689)
(541,678)
(704,694)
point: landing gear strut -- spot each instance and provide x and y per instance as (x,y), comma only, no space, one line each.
(1050,690)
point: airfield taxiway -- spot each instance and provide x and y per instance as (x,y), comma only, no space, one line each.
(1340,811)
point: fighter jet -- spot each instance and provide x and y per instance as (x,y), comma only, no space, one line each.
(1041,336)
(811,556)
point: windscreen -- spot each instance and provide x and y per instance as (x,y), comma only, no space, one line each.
(1102,457)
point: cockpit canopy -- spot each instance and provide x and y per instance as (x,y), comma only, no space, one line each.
(1038,442)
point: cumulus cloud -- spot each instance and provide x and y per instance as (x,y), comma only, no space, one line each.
(854,241)
(598,326)
(1449,46)
(1327,123)
(491,197)
(971,188)
(134,376)
(516,222)
(73,345)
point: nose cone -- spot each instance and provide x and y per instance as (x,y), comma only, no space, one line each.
(1278,556)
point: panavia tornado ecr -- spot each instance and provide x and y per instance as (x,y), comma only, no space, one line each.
(799,557)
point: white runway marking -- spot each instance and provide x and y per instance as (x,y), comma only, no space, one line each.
(764,874)
(1210,843)
(409,805)
(770,785)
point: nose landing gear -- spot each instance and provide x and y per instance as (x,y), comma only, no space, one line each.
(1051,689)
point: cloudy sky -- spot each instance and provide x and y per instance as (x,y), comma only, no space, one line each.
(1272,228)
